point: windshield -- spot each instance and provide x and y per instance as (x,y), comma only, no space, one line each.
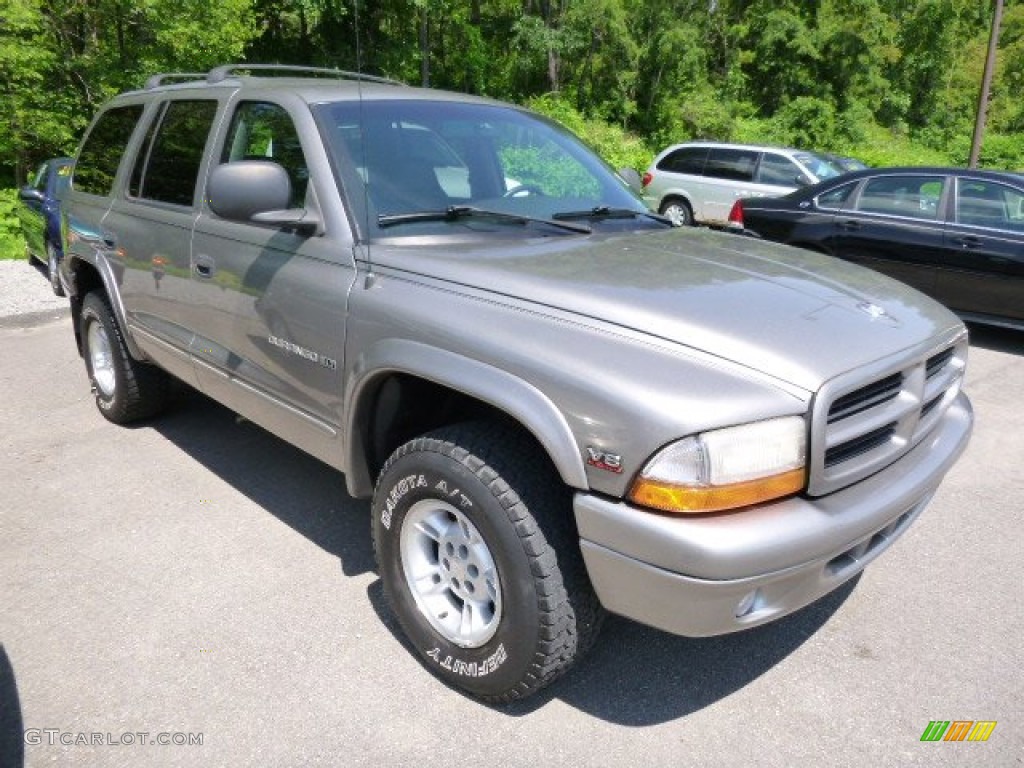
(822,167)
(402,157)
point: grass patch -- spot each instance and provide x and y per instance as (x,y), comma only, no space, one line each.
(12,246)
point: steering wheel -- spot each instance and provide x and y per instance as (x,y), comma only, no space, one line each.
(521,190)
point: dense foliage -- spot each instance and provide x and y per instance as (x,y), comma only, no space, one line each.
(892,81)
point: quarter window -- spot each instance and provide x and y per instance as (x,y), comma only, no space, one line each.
(101,154)
(836,198)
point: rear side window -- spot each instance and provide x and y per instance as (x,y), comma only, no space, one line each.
(732,164)
(101,155)
(168,166)
(983,203)
(686,160)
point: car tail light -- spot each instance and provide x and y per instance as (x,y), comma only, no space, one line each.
(646,178)
(736,215)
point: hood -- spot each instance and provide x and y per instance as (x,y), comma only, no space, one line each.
(795,315)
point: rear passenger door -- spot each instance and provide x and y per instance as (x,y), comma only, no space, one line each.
(97,169)
(149,229)
(269,302)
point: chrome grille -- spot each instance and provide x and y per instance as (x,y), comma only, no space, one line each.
(872,395)
(864,421)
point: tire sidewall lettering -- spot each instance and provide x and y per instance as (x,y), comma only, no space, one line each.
(463,668)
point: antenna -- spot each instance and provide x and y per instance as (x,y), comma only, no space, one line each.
(362,143)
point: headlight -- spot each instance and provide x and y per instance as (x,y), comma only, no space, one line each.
(726,468)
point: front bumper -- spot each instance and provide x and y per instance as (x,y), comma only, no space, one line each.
(714,574)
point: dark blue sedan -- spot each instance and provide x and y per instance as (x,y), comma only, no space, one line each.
(40,215)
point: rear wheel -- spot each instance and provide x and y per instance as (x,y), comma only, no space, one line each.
(677,211)
(479,559)
(126,390)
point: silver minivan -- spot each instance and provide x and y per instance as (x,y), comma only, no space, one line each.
(697,182)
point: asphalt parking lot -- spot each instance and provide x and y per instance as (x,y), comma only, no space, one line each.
(197,580)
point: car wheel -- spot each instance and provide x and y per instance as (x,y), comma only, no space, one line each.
(477,551)
(677,211)
(53,271)
(126,390)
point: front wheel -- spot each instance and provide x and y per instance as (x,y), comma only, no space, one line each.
(52,269)
(126,390)
(479,559)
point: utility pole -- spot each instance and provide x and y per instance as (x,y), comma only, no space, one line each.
(986,85)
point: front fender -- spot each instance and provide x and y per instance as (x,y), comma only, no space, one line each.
(519,399)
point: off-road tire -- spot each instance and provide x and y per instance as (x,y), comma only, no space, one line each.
(499,481)
(131,390)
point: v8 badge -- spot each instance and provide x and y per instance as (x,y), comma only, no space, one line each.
(609,462)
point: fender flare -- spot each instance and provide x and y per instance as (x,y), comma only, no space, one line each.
(101,265)
(518,398)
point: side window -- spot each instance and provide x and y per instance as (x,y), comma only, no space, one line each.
(988,204)
(100,156)
(61,180)
(39,179)
(911,196)
(836,198)
(778,170)
(263,131)
(731,164)
(168,166)
(686,160)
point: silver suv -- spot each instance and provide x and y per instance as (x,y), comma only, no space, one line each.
(558,404)
(697,183)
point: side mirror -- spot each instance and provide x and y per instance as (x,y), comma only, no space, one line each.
(30,193)
(239,191)
(632,178)
(256,191)
(801,180)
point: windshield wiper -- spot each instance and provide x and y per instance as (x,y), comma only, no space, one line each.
(456,212)
(607,212)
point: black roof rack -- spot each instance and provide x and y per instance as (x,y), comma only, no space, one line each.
(221,73)
(158,80)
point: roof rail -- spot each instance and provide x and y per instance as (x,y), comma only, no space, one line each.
(158,80)
(221,73)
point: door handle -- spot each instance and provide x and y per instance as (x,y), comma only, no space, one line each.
(967,241)
(850,225)
(204,265)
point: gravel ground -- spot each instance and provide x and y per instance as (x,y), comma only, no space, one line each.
(25,295)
